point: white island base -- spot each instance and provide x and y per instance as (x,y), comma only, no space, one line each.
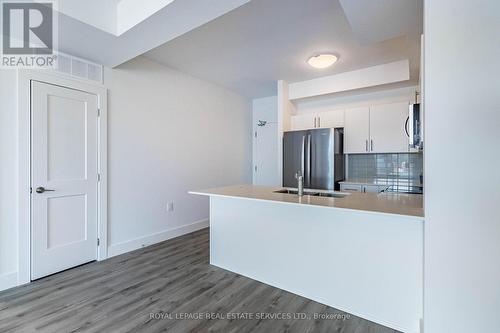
(368,264)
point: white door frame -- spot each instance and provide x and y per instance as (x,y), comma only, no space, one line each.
(24,79)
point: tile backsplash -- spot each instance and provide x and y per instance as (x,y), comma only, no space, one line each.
(402,169)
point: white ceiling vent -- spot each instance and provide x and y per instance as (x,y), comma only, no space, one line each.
(79,68)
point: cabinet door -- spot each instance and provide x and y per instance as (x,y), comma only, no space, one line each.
(331,119)
(371,189)
(350,188)
(356,130)
(303,121)
(387,128)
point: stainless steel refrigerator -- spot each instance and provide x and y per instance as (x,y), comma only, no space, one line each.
(318,154)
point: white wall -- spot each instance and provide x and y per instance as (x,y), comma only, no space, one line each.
(462,165)
(169,133)
(8,178)
(265,141)
(285,110)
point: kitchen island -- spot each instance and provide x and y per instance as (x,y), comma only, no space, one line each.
(361,253)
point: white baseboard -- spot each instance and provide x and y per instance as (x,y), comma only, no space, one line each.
(8,280)
(137,243)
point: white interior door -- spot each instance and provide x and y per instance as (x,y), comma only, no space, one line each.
(387,128)
(266,149)
(63,178)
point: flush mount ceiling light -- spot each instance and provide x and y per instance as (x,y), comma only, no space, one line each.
(322,60)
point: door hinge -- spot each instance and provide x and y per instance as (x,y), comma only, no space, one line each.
(98,112)
(31,190)
(98,242)
(255,133)
(98,177)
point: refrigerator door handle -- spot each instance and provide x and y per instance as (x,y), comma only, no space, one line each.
(309,147)
(303,155)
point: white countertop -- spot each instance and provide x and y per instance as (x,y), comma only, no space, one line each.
(385,203)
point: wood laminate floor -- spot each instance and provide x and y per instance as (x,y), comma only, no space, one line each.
(164,288)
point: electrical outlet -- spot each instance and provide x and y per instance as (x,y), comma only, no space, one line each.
(170,206)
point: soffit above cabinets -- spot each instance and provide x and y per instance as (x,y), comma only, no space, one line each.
(362,78)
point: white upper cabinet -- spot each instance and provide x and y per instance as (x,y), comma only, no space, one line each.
(387,128)
(376,129)
(367,129)
(327,119)
(304,121)
(357,130)
(330,119)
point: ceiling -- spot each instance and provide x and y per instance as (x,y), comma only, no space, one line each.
(85,28)
(101,14)
(251,47)
(112,16)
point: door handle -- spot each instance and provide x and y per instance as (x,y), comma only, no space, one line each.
(42,189)
(319,121)
(366,145)
(371,144)
(314,122)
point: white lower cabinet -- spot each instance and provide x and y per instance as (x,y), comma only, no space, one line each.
(371,189)
(351,188)
(362,188)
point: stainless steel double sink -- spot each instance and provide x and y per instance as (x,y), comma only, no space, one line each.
(313,193)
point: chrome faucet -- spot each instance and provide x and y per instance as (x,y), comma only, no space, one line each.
(300,183)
